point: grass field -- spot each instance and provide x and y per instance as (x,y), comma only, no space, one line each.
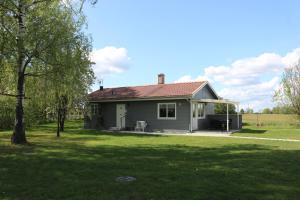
(274,120)
(270,126)
(84,164)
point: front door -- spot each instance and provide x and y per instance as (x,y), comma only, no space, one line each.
(121,115)
(195,117)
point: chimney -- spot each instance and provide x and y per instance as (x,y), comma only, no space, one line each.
(161,79)
(101,84)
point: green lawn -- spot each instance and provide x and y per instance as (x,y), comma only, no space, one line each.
(270,126)
(270,132)
(83,164)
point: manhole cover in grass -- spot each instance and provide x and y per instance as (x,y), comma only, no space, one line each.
(125,179)
(29,153)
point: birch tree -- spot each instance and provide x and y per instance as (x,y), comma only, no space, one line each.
(31,31)
(289,92)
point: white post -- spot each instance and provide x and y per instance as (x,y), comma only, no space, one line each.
(191,116)
(227,119)
(238,116)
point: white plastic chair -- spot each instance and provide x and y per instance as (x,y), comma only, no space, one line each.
(140,126)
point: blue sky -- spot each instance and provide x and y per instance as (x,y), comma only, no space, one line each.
(241,47)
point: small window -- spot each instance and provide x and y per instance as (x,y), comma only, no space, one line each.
(166,111)
(194,110)
(163,110)
(201,112)
(94,109)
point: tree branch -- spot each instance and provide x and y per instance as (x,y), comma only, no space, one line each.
(13,95)
(35,74)
(7,8)
(37,2)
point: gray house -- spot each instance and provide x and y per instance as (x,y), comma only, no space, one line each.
(162,107)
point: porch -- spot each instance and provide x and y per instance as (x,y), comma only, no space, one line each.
(201,121)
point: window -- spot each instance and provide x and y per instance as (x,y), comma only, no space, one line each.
(201,110)
(166,111)
(194,110)
(94,109)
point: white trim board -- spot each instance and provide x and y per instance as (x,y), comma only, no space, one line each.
(166,118)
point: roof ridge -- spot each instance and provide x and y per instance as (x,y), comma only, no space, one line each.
(155,84)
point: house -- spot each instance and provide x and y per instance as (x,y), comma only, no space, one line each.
(164,107)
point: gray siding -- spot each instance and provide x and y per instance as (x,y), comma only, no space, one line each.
(205,93)
(143,111)
(108,114)
(147,111)
(103,121)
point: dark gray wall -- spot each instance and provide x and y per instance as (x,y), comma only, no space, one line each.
(203,124)
(106,120)
(147,111)
(205,93)
(143,111)
(109,114)
(233,117)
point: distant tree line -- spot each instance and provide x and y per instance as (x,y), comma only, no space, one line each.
(274,110)
(279,110)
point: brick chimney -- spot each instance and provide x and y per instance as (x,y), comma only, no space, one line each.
(161,79)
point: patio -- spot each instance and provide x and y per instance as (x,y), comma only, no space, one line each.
(215,122)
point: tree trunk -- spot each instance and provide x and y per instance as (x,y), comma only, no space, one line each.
(19,136)
(62,119)
(58,123)
(63,111)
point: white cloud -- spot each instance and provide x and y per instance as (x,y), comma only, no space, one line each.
(251,81)
(256,96)
(188,78)
(110,60)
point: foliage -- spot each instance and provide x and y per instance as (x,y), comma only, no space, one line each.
(285,109)
(6,112)
(289,93)
(249,111)
(267,111)
(221,108)
(43,39)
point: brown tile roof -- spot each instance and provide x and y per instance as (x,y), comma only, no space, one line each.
(148,91)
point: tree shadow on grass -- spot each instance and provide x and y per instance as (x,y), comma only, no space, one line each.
(72,171)
(256,131)
(106,133)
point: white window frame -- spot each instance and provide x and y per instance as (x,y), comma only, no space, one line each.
(94,108)
(204,112)
(166,118)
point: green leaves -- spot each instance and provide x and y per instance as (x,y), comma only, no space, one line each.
(56,53)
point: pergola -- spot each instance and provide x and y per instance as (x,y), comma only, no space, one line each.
(221,101)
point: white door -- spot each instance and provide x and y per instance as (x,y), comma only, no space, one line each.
(121,115)
(194,117)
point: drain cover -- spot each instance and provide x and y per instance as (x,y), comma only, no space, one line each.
(125,179)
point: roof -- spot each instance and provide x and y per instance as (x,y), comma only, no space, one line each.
(174,90)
